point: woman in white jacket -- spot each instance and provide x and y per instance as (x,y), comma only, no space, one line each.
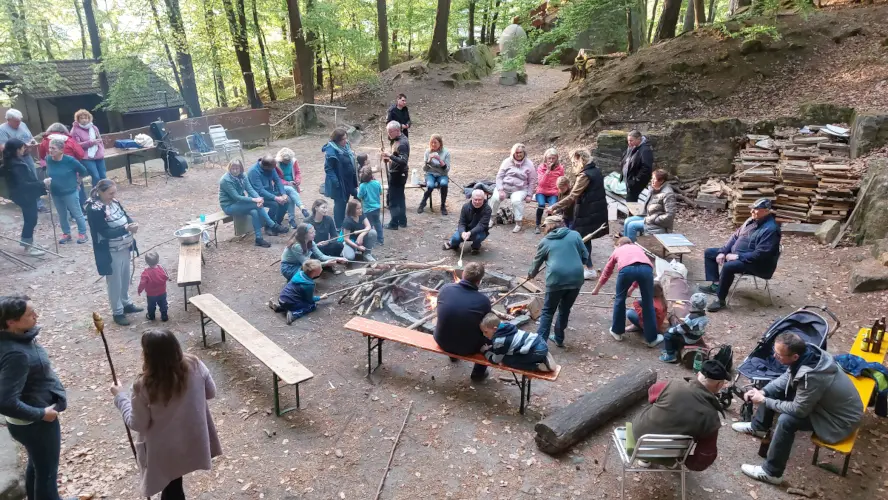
(516,180)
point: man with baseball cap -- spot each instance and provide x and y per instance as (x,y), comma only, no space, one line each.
(687,408)
(753,249)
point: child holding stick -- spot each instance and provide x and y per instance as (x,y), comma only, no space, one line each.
(297,298)
(369,192)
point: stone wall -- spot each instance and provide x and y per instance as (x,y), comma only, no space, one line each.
(871,222)
(869,131)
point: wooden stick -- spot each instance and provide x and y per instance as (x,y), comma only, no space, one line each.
(30,245)
(55,237)
(847,223)
(392,454)
(510,292)
(17,260)
(374,281)
(426,318)
(100,327)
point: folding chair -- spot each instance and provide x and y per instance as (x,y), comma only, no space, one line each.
(755,279)
(673,447)
(198,156)
(222,143)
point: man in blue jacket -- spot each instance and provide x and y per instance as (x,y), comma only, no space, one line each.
(268,185)
(461,307)
(753,249)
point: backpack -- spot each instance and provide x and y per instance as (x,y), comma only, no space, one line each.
(505,216)
(723,354)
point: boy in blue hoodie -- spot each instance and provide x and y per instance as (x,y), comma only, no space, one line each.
(515,348)
(298,298)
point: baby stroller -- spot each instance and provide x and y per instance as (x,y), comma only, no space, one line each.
(760,366)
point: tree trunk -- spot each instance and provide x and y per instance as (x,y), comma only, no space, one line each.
(303,57)
(218,81)
(82,30)
(311,39)
(382,32)
(46,39)
(689,17)
(262,55)
(668,20)
(636,16)
(700,8)
(484,19)
(237,24)
(438,50)
(166,47)
(19,28)
(491,32)
(183,57)
(472,22)
(329,66)
(96,44)
(711,17)
(653,18)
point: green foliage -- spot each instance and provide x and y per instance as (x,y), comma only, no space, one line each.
(756,31)
(605,18)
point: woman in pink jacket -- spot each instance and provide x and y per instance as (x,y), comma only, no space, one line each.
(547,188)
(516,180)
(84,131)
(168,408)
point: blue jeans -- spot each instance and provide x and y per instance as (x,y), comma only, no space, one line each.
(673,342)
(339,210)
(375,218)
(475,238)
(643,274)
(543,200)
(527,361)
(69,204)
(259,215)
(633,226)
(781,439)
(96,169)
(562,301)
(295,201)
(433,181)
(729,269)
(43,441)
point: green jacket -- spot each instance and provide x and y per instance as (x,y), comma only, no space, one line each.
(563,252)
(231,190)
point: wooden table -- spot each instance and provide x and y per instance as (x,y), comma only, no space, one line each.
(142,153)
(679,250)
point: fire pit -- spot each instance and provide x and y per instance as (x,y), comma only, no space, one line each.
(407,294)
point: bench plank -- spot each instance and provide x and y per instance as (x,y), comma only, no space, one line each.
(285,366)
(426,342)
(189,265)
(219,216)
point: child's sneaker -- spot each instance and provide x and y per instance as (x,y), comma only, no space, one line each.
(81,238)
(274,305)
(164,318)
(668,358)
(66,238)
(290,317)
(149,316)
(548,365)
(369,257)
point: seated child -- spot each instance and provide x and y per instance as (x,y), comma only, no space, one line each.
(298,298)
(635,316)
(687,331)
(515,348)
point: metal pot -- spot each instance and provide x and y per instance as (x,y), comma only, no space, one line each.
(189,235)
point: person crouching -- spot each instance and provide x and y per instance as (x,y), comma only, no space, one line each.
(515,348)
(297,298)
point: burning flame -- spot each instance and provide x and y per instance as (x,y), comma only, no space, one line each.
(433,300)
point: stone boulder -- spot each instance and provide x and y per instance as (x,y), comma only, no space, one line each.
(869,131)
(880,247)
(479,59)
(868,275)
(609,149)
(827,231)
(12,481)
(823,113)
(871,221)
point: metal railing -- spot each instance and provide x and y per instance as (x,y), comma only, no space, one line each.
(291,113)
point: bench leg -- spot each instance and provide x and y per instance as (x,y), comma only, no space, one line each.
(216,236)
(203,328)
(185,296)
(524,386)
(845,465)
(222,331)
(277,400)
(816,452)
(370,347)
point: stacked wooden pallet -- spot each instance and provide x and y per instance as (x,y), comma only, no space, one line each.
(756,167)
(835,193)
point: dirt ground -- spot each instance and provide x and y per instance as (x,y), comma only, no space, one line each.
(462,439)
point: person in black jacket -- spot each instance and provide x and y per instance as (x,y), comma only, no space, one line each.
(397,162)
(31,396)
(112,231)
(399,113)
(461,307)
(24,190)
(474,220)
(589,201)
(637,165)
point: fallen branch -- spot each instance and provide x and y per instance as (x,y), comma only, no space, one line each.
(424,319)
(392,454)
(30,245)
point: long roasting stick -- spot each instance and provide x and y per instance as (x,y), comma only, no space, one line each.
(100,326)
(392,454)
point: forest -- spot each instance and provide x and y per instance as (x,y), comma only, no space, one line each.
(229,53)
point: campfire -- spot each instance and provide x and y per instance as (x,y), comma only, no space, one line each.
(407,293)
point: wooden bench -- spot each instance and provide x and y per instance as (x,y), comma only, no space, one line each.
(284,368)
(865,387)
(220,217)
(384,331)
(190,262)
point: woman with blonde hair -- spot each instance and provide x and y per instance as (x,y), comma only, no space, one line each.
(436,165)
(237,197)
(516,180)
(85,132)
(548,174)
(167,407)
(589,201)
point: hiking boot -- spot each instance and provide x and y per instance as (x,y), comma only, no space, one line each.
(290,317)
(132,308)
(421,207)
(711,289)
(260,242)
(756,472)
(293,224)
(164,318)
(654,343)
(475,251)
(403,224)
(479,375)
(121,320)
(66,238)
(746,428)
(716,305)
(81,238)
(281,229)
(444,210)
(668,358)
(617,336)
(305,213)
(35,252)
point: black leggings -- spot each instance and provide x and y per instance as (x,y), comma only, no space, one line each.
(173,491)
(29,216)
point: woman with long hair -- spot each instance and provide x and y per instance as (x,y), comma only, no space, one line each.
(301,247)
(168,408)
(436,165)
(112,231)
(24,190)
(237,197)
(325,228)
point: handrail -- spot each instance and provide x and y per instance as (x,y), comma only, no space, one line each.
(309,104)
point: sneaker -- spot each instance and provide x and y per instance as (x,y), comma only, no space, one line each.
(559,343)
(549,363)
(132,308)
(517,228)
(290,318)
(121,320)
(746,428)
(492,222)
(617,336)
(260,242)
(536,230)
(271,231)
(475,251)
(590,274)
(479,376)
(711,289)
(421,208)
(657,341)
(715,305)
(305,213)
(293,224)
(369,257)
(81,238)
(66,238)
(35,252)
(444,210)
(644,464)
(668,358)
(282,229)
(756,472)
(273,305)
(149,317)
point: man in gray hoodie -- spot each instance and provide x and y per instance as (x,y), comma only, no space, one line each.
(814,394)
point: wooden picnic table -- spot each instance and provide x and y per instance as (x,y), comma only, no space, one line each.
(144,154)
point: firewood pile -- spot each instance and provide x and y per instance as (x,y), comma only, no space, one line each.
(393,281)
(806,173)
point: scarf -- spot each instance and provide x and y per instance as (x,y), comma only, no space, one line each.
(93,135)
(346,150)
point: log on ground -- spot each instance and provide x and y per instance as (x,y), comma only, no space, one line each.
(573,423)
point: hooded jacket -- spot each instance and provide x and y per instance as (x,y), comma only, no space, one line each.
(513,177)
(757,243)
(637,167)
(508,340)
(72,148)
(299,291)
(232,189)
(548,179)
(659,210)
(28,383)
(341,180)
(823,393)
(563,252)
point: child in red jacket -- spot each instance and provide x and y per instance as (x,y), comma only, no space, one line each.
(548,174)
(153,282)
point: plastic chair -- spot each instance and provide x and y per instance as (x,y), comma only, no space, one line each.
(222,143)
(673,447)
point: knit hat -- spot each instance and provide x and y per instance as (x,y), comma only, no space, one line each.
(714,370)
(698,302)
